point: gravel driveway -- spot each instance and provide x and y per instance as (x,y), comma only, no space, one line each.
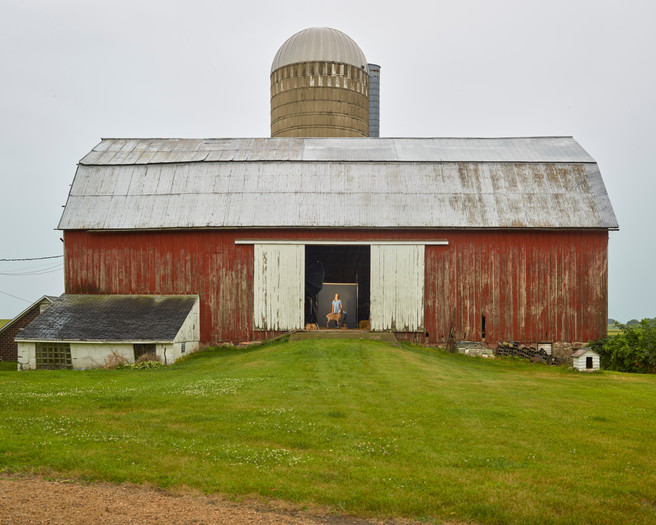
(29,499)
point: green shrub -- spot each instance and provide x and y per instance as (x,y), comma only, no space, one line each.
(151,356)
(141,365)
(632,350)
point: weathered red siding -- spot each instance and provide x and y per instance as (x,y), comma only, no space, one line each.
(207,263)
(530,286)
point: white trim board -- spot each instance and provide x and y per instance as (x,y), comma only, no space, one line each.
(343,243)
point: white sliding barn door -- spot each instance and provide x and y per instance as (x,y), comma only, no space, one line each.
(279,284)
(397,288)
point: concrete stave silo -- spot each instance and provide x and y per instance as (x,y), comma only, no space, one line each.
(374,100)
(319,86)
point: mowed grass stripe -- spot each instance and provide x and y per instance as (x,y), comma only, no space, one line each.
(362,426)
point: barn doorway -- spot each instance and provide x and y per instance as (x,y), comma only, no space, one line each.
(388,274)
(340,264)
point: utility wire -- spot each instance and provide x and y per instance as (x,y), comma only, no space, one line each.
(32,258)
(15,297)
(36,271)
(31,266)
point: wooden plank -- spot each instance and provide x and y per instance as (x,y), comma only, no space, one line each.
(397,288)
(279,286)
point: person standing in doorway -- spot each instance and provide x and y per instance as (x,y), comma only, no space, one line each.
(338,309)
(337,305)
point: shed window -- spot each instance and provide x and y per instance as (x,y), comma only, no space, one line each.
(53,356)
(143,349)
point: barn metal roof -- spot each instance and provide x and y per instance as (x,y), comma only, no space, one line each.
(133,318)
(547,182)
(352,149)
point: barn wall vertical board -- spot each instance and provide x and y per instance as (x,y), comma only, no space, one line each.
(471,275)
(533,286)
(397,288)
(207,263)
(279,286)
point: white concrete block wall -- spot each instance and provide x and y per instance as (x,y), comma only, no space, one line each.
(580,362)
(26,356)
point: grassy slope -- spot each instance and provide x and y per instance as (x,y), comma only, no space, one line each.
(361,426)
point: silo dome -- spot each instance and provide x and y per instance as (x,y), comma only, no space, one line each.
(319,86)
(319,44)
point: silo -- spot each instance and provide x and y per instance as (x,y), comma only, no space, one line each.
(319,86)
(374,100)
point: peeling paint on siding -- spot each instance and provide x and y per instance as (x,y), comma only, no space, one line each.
(279,286)
(397,288)
(530,285)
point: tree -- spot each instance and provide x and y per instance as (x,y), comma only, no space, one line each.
(632,350)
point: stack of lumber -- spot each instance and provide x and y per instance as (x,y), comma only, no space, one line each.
(514,349)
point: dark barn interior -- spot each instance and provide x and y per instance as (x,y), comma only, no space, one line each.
(340,264)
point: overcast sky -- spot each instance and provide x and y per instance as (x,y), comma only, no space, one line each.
(73,71)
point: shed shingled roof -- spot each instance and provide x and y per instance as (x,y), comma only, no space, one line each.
(133,318)
(543,182)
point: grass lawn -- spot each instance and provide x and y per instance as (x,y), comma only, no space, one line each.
(8,366)
(361,426)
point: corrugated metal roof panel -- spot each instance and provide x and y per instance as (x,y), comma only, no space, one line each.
(339,194)
(117,144)
(362,149)
(106,157)
(92,157)
(342,149)
(146,156)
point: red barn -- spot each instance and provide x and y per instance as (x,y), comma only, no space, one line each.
(433,239)
(486,239)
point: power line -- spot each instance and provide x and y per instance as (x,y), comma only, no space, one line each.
(31,266)
(35,271)
(32,258)
(15,297)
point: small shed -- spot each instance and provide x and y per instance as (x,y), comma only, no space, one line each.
(586,360)
(84,331)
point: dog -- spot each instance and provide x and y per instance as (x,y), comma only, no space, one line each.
(311,326)
(334,317)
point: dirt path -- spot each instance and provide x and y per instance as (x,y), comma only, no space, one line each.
(32,500)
